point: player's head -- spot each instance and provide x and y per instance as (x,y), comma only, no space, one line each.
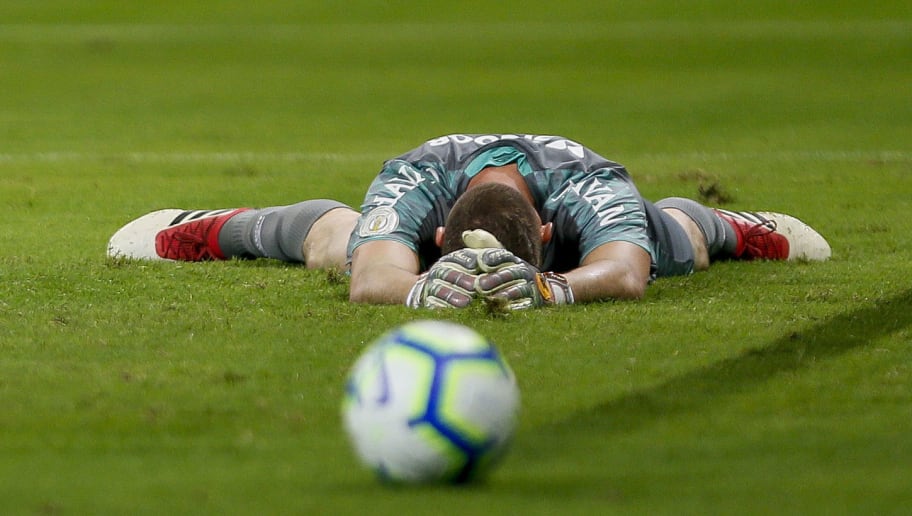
(502,211)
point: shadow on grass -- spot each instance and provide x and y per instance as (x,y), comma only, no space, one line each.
(548,446)
(702,387)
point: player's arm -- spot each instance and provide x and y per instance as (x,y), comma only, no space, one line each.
(615,270)
(382,272)
(620,266)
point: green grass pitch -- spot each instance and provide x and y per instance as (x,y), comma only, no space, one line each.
(214,388)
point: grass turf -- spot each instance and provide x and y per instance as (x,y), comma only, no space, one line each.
(152,388)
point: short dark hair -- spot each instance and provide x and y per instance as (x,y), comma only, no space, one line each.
(500,210)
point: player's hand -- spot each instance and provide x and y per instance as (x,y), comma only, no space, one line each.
(449,283)
(518,282)
(501,269)
(546,288)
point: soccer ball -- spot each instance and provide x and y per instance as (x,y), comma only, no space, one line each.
(430,401)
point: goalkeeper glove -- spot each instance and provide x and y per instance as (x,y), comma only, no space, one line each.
(449,283)
(506,276)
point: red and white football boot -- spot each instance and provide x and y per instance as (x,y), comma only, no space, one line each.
(774,236)
(172,234)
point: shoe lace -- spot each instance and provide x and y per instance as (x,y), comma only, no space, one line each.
(189,246)
(756,241)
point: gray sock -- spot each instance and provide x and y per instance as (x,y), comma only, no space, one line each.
(275,232)
(720,236)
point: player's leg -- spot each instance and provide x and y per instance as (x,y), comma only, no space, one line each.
(694,236)
(326,245)
(676,254)
(279,232)
(748,235)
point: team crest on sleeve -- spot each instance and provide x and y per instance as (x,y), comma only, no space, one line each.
(380,221)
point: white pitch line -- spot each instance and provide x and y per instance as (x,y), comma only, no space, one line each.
(298,157)
(807,155)
(656,28)
(183,157)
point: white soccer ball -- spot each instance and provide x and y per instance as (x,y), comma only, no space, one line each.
(430,401)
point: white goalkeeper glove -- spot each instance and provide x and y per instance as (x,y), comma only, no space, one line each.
(508,277)
(449,283)
(452,281)
(485,268)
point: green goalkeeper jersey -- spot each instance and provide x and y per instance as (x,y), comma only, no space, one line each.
(590,200)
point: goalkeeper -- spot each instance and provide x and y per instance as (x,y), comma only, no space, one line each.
(531,220)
